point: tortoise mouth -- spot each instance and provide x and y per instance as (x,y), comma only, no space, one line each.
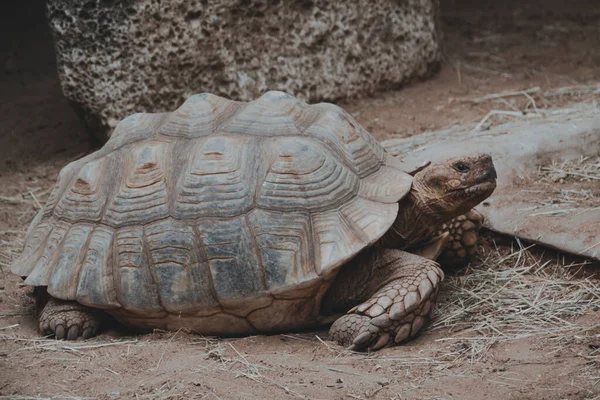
(482,187)
(467,198)
(471,196)
(488,185)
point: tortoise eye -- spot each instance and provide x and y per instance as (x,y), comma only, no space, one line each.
(462,167)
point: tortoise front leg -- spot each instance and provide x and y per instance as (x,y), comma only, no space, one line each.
(464,236)
(402,290)
(69,320)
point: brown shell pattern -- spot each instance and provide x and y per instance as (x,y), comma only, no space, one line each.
(213,204)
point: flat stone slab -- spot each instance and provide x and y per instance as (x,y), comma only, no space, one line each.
(548,174)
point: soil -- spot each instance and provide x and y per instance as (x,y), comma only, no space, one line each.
(490,47)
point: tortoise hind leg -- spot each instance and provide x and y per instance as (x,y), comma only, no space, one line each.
(69,320)
(403,289)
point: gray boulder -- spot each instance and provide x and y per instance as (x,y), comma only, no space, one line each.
(116,58)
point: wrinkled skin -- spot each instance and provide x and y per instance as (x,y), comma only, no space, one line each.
(440,193)
(391,291)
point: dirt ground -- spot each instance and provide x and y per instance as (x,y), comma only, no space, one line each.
(520,323)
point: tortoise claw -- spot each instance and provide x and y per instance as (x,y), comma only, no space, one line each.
(384,340)
(59,332)
(73,332)
(88,333)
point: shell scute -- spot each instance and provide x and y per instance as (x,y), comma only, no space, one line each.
(65,277)
(137,289)
(42,269)
(142,195)
(305,176)
(285,244)
(336,240)
(232,259)
(183,282)
(272,114)
(341,132)
(34,246)
(134,128)
(85,198)
(200,115)
(218,179)
(96,286)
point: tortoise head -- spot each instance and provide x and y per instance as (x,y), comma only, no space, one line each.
(452,187)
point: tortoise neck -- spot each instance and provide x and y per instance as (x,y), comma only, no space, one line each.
(415,222)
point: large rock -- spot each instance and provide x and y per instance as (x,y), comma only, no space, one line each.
(120,57)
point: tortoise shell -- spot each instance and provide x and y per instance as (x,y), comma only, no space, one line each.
(212,205)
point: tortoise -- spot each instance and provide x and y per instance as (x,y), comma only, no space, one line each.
(231,218)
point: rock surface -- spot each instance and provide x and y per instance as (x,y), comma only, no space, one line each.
(116,58)
(548,172)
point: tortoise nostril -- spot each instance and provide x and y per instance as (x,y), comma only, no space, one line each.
(489,174)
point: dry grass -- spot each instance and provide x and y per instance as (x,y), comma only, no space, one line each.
(584,169)
(571,186)
(562,202)
(494,59)
(527,108)
(512,294)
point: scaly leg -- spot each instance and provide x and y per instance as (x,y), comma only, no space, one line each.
(464,235)
(69,320)
(401,291)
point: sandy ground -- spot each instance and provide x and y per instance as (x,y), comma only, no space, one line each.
(518,324)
